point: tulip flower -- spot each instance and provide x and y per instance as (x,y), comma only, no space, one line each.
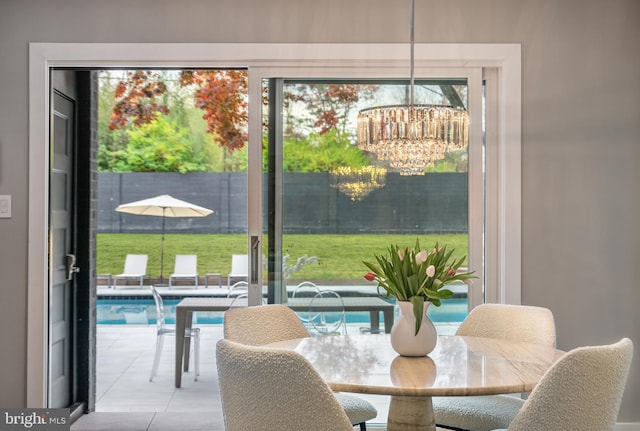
(422,257)
(431,271)
(370,276)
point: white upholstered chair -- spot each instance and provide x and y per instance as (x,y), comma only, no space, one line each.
(264,324)
(266,389)
(511,322)
(581,391)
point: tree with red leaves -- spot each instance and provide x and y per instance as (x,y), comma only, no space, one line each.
(137,98)
(330,104)
(221,94)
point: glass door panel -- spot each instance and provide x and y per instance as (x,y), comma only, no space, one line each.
(332,205)
(183,133)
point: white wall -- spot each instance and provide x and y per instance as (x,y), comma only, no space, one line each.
(581,132)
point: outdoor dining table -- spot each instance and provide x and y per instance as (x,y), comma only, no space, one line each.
(184,319)
(372,304)
(459,366)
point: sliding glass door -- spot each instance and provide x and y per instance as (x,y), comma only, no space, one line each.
(329,205)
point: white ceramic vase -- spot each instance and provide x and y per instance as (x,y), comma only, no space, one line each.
(404,339)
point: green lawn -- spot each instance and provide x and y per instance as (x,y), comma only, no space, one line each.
(340,256)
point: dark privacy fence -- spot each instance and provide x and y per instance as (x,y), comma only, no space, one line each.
(433,203)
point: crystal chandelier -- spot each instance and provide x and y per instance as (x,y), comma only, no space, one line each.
(357,183)
(412,137)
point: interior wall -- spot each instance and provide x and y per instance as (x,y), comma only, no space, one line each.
(580,140)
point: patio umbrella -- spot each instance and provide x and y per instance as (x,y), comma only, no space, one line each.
(164,206)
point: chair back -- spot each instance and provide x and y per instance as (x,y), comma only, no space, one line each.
(239,265)
(238,288)
(581,391)
(135,264)
(186,264)
(264,389)
(160,321)
(511,322)
(236,300)
(327,321)
(306,289)
(262,324)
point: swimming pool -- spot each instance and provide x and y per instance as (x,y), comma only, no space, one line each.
(143,312)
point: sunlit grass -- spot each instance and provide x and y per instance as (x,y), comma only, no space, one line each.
(340,256)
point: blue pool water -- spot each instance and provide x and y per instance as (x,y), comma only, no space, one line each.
(143,311)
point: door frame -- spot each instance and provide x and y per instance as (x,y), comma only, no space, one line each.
(504,198)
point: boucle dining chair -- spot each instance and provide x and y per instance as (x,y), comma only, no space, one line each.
(264,324)
(581,391)
(511,322)
(265,389)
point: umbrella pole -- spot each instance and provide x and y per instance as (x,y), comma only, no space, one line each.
(162,248)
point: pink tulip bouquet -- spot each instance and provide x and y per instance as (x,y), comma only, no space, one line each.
(417,275)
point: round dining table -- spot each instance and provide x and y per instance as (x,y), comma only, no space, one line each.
(458,366)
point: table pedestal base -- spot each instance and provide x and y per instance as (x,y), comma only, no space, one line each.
(411,414)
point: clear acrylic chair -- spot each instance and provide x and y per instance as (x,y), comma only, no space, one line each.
(306,289)
(234,303)
(327,321)
(163,329)
(239,288)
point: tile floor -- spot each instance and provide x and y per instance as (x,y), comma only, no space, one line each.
(127,401)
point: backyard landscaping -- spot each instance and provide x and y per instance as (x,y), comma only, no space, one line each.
(340,256)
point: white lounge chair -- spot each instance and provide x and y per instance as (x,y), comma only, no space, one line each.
(135,267)
(239,268)
(186,268)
